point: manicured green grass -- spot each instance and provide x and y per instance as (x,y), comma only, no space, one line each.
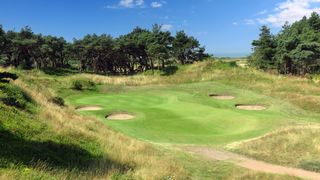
(185,114)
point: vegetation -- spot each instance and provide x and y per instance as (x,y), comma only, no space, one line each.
(12,96)
(43,140)
(47,141)
(42,136)
(58,101)
(138,51)
(295,50)
(77,85)
(161,116)
(290,146)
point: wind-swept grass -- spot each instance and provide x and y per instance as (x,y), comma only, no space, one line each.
(296,146)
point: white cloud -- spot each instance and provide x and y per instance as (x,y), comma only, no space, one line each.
(139,2)
(156,4)
(166,27)
(127,4)
(249,21)
(290,11)
(235,23)
(262,12)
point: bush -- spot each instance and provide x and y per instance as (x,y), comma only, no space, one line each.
(233,64)
(77,85)
(311,165)
(58,101)
(170,70)
(91,85)
(83,84)
(14,96)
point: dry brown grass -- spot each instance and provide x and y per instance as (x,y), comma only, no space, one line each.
(258,176)
(288,146)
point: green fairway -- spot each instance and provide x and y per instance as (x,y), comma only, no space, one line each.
(185,114)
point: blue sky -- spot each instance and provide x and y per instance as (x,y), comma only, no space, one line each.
(224,26)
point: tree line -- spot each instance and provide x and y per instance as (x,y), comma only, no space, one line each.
(137,51)
(294,50)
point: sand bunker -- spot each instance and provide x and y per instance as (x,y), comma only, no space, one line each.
(222,97)
(250,107)
(119,116)
(88,108)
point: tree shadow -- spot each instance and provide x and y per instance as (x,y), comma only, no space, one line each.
(60,71)
(18,151)
(6,76)
(170,70)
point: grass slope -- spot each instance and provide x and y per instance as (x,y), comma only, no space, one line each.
(42,140)
(296,146)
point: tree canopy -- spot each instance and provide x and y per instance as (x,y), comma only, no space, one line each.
(137,51)
(295,50)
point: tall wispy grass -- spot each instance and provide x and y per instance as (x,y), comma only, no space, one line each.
(296,146)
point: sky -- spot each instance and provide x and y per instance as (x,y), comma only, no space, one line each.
(224,27)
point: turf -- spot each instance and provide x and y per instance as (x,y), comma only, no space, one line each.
(185,114)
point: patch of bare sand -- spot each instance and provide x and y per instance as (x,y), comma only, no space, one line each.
(88,108)
(221,97)
(119,116)
(250,107)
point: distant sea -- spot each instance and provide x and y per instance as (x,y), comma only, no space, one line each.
(232,55)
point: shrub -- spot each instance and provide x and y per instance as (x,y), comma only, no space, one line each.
(170,70)
(77,85)
(83,84)
(58,101)
(313,165)
(91,85)
(14,96)
(233,64)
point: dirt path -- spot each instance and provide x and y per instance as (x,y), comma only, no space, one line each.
(252,164)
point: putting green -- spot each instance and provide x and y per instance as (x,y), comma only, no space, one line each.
(186,114)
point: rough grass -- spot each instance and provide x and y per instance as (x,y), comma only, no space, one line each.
(217,170)
(297,146)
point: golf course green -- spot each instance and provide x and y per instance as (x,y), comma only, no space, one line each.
(186,114)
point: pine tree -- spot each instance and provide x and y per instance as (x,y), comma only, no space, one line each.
(264,50)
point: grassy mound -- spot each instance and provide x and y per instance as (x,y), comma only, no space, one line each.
(293,146)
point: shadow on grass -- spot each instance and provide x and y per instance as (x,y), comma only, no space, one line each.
(6,76)
(60,71)
(18,151)
(170,70)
